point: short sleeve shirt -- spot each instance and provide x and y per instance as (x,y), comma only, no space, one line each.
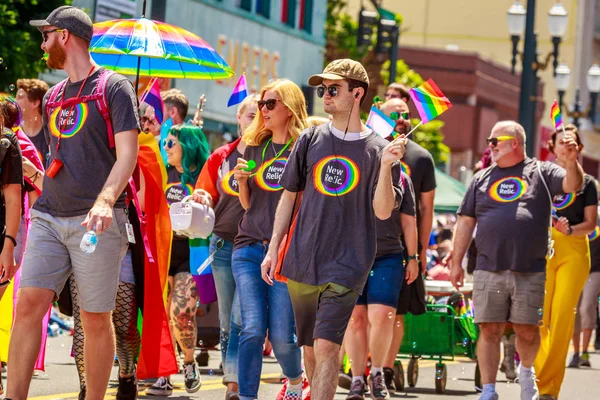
(229,210)
(265,190)
(594,238)
(389,231)
(11,170)
(84,148)
(418,164)
(512,209)
(335,236)
(572,205)
(41,145)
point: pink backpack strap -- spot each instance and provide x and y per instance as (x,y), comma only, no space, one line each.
(142,217)
(54,92)
(102,104)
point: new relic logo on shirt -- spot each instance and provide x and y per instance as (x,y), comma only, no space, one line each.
(69,120)
(176,192)
(336,176)
(229,184)
(269,174)
(508,189)
(594,235)
(405,168)
(563,201)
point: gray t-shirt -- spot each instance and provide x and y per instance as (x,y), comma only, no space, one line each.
(389,231)
(229,210)
(335,236)
(84,148)
(512,209)
(257,223)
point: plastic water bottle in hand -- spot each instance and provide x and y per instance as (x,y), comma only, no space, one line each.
(89,242)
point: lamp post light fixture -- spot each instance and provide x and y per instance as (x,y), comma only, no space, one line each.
(561,80)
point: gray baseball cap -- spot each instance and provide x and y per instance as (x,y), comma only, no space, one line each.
(70,18)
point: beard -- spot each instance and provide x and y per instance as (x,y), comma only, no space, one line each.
(56,57)
(501,153)
(403,128)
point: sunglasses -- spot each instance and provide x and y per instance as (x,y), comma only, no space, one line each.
(396,116)
(494,141)
(145,119)
(332,90)
(271,103)
(45,33)
(169,143)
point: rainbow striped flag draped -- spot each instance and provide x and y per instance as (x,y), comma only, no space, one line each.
(151,96)
(429,100)
(556,115)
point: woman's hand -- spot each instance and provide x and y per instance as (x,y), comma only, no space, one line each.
(201,196)
(240,174)
(562,225)
(28,168)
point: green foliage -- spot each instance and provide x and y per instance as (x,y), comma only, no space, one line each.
(19,42)
(430,137)
(341,31)
(404,74)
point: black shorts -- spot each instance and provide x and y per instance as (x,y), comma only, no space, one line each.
(321,312)
(180,257)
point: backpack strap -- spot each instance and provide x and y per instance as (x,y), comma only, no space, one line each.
(132,191)
(102,104)
(54,92)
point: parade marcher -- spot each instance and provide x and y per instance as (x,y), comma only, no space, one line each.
(93,153)
(176,106)
(187,151)
(418,164)
(566,273)
(372,323)
(510,202)
(397,91)
(345,172)
(587,309)
(280,119)
(30,95)
(217,183)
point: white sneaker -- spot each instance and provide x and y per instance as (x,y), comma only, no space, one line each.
(489,396)
(529,389)
(162,387)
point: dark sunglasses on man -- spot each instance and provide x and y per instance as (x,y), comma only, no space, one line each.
(494,140)
(271,103)
(45,33)
(331,90)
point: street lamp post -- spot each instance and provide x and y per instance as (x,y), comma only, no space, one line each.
(520,20)
(562,78)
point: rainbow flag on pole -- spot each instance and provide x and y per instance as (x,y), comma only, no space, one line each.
(151,96)
(240,92)
(556,115)
(430,101)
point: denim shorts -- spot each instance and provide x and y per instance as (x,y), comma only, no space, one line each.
(384,282)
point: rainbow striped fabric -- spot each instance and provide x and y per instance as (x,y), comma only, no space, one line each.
(429,100)
(556,115)
(151,96)
(164,50)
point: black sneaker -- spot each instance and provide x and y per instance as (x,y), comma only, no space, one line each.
(357,391)
(162,387)
(388,374)
(378,389)
(192,377)
(344,380)
(128,388)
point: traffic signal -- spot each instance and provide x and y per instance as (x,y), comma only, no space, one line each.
(366,24)
(387,36)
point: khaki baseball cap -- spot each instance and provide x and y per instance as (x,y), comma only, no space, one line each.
(344,68)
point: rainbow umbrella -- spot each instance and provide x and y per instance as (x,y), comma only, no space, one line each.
(152,48)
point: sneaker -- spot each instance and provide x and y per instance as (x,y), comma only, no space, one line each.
(128,388)
(575,361)
(357,391)
(162,387)
(232,396)
(291,394)
(529,390)
(344,380)
(388,375)
(192,377)
(489,396)
(378,389)
(585,360)
(305,389)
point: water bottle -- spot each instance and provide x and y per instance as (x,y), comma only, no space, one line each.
(89,242)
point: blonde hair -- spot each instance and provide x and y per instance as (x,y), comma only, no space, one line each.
(314,120)
(252,99)
(292,97)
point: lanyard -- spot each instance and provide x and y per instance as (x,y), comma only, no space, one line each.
(62,128)
(264,152)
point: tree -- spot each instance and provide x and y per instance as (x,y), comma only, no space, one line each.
(20,43)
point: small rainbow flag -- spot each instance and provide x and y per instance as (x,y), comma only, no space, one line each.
(240,92)
(430,101)
(556,115)
(151,96)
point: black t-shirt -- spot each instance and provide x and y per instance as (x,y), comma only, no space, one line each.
(265,190)
(595,246)
(229,210)
(41,145)
(335,236)
(572,205)
(11,169)
(389,231)
(512,209)
(418,164)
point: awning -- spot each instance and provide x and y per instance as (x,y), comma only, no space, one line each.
(449,193)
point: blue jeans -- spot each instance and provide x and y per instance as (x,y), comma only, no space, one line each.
(263,307)
(230,320)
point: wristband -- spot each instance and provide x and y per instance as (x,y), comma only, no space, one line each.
(12,239)
(569,231)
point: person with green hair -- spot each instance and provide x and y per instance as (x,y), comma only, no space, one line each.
(187,151)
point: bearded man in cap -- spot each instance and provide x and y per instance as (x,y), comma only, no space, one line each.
(91,122)
(345,172)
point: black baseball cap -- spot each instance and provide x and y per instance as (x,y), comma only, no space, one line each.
(70,18)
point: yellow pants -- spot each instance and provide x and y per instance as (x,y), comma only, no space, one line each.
(566,274)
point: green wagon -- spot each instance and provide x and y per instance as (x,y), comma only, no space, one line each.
(440,335)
